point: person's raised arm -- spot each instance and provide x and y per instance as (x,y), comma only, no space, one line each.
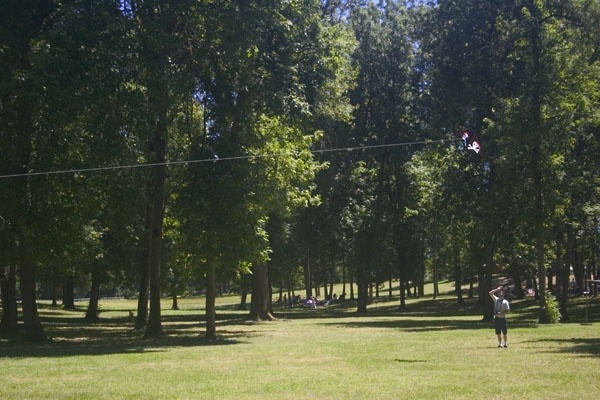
(491,293)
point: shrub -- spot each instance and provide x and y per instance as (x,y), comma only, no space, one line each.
(552,309)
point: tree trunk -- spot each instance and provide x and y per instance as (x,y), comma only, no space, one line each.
(308,277)
(144,293)
(92,311)
(211,295)
(363,294)
(154,327)
(458,276)
(564,272)
(541,271)
(68,293)
(260,309)
(536,129)
(174,304)
(436,288)
(22,149)
(54,296)
(31,319)
(243,300)
(422,278)
(156,205)
(8,291)
(245,285)
(343,295)
(485,284)
(471,287)
(402,292)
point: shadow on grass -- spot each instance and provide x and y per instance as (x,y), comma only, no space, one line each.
(94,344)
(589,347)
(422,315)
(72,335)
(417,325)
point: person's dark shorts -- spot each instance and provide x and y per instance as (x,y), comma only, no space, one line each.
(500,325)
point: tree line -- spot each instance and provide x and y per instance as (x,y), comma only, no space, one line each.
(152,147)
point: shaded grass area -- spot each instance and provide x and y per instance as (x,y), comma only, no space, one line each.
(432,349)
(113,331)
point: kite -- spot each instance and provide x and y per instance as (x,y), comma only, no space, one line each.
(469,143)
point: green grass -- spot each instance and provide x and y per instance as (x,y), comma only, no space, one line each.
(434,349)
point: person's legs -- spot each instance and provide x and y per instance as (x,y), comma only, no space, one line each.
(498,329)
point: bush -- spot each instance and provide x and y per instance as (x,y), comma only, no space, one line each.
(552,309)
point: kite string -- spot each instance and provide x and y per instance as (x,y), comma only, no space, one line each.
(216,159)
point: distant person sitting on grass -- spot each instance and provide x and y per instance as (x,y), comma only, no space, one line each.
(501,308)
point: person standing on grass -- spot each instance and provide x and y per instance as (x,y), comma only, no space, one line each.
(501,308)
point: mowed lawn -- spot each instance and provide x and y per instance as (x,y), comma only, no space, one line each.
(433,349)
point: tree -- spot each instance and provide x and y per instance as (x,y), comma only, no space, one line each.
(25,102)
(166,36)
(385,114)
(258,95)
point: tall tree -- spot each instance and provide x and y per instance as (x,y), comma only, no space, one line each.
(385,97)
(166,35)
(22,94)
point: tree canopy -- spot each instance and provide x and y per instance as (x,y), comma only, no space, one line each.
(167,148)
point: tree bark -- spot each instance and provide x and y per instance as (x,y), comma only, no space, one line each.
(27,283)
(154,327)
(68,297)
(308,277)
(144,293)
(436,287)
(458,276)
(211,295)
(8,290)
(260,309)
(564,272)
(245,285)
(155,210)
(174,302)
(402,291)
(485,280)
(31,319)
(363,294)
(92,311)
(536,129)
(142,308)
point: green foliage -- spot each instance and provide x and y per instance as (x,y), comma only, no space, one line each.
(552,310)
(262,87)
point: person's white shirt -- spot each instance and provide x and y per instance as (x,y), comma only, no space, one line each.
(501,307)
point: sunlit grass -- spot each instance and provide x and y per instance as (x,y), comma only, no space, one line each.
(433,349)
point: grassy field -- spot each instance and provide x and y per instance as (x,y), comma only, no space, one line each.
(433,349)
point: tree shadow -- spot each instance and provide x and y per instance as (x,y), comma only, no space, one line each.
(73,336)
(588,347)
(420,315)
(415,325)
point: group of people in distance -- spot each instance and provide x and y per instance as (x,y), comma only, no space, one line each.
(311,302)
(501,309)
